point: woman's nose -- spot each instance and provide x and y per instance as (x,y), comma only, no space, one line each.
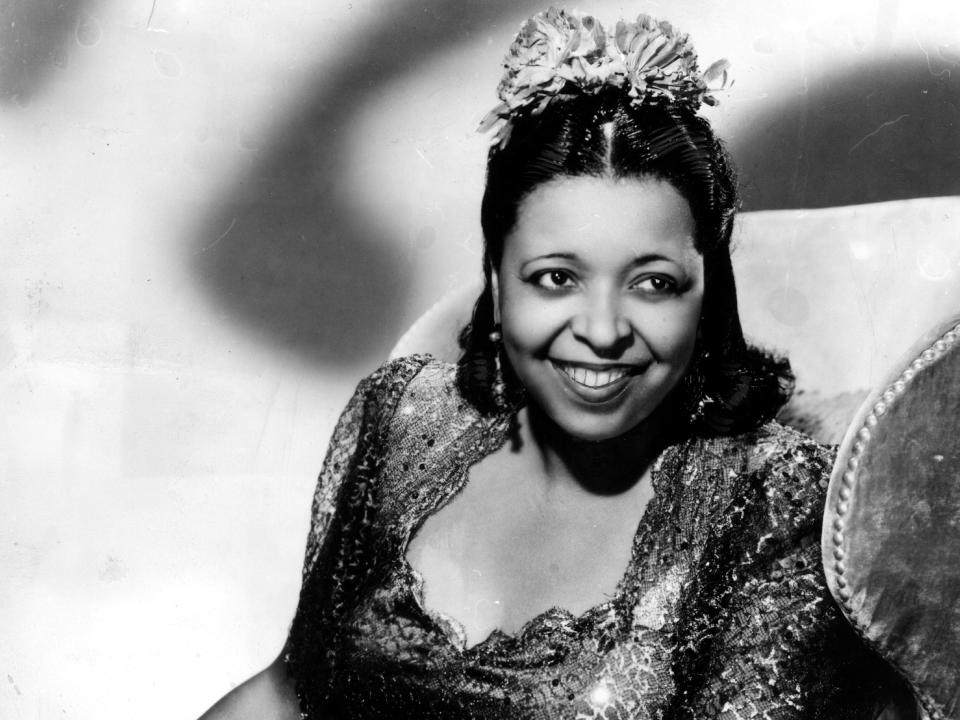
(602,325)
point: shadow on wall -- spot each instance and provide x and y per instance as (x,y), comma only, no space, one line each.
(299,266)
(35,39)
(873,132)
(306,270)
(286,256)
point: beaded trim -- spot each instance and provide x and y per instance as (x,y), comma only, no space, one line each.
(848,480)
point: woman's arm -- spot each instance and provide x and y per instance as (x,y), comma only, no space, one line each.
(268,695)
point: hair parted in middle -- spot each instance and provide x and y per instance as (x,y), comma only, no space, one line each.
(731,386)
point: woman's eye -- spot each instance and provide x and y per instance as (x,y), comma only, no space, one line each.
(553,280)
(656,284)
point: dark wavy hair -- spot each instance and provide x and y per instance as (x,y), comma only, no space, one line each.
(730,386)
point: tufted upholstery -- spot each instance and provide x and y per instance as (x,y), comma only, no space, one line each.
(890,532)
(843,291)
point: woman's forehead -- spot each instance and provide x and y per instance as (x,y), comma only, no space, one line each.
(594,217)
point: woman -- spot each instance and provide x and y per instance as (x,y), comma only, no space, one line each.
(591,515)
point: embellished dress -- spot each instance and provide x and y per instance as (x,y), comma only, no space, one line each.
(722,611)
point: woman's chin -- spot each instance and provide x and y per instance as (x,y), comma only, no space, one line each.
(586,427)
(587,424)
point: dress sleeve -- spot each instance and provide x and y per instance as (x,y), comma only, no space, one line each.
(346,445)
(338,547)
(762,636)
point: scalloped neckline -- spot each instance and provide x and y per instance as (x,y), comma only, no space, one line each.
(495,436)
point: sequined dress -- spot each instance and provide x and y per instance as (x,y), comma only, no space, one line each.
(722,611)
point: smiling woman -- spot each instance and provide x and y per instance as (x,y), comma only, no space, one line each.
(599,290)
(591,514)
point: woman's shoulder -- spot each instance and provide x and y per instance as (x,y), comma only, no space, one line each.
(394,374)
(429,430)
(776,450)
(786,470)
(405,376)
(782,449)
(413,390)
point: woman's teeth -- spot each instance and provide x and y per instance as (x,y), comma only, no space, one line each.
(592,378)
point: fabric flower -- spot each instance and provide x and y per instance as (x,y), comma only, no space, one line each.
(557,53)
(658,61)
(552,49)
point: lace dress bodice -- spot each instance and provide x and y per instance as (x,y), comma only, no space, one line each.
(722,611)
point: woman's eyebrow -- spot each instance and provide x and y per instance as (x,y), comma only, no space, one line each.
(646,258)
(550,256)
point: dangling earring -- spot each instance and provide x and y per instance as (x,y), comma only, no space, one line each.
(498,387)
(696,403)
(694,384)
(694,392)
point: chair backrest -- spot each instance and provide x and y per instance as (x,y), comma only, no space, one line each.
(890,533)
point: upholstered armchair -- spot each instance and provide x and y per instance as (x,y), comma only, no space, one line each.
(864,301)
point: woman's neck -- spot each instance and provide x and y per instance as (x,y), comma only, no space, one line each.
(604,467)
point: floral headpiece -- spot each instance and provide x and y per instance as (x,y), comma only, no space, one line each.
(560,54)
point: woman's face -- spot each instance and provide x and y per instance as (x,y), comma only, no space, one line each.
(599,291)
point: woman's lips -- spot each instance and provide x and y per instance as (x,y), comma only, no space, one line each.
(595,383)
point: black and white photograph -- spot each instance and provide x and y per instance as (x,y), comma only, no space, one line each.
(462,360)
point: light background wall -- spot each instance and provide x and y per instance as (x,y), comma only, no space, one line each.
(215,217)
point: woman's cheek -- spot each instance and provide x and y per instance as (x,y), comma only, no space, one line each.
(531,324)
(668,329)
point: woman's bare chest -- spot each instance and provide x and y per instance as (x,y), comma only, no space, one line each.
(507,548)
